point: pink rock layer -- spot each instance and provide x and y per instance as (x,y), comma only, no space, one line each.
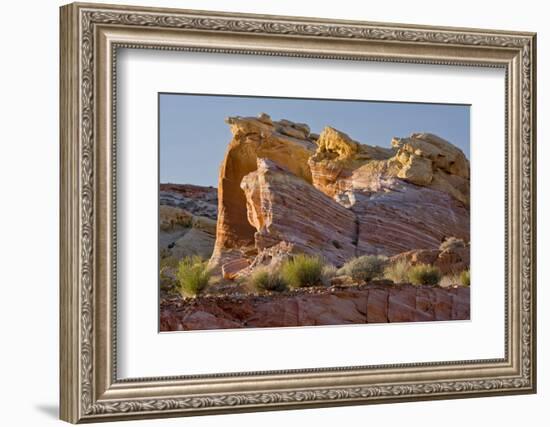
(285,208)
(331,196)
(329,306)
(405,216)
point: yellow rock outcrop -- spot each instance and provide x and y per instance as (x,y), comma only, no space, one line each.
(283,142)
(328,194)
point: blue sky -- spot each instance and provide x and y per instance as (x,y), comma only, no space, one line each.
(194,136)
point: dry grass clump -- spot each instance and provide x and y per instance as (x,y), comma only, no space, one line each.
(398,272)
(193,275)
(302,271)
(424,274)
(262,279)
(462,278)
(366,267)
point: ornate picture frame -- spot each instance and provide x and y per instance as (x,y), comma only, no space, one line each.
(90,37)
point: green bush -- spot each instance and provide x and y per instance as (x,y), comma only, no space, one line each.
(366,267)
(398,272)
(264,280)
(465,278)
(193,275)
(302,270)
(424,274)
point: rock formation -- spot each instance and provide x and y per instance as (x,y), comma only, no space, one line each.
(453,256)
(285,143)
(334,306)
(285,208)
(330,195)
(403,216)
(195,199)
(187,220)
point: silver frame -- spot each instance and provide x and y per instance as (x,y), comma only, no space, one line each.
(90,37)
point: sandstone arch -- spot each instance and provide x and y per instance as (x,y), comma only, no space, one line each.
(286,143)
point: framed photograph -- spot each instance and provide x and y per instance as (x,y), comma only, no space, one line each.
(267,212)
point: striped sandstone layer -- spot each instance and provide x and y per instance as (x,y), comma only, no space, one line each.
(286,143)
(323,306)
(285,208)
(332,196)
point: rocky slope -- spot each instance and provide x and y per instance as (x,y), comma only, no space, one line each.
(328,194)
(187,220)
(374,303)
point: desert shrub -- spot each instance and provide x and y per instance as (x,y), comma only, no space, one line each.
(366,267)
(465,278)
(424,274)
(193,275)
(398,272)
(265,280)
(328,272)
(302,270)
(452,243)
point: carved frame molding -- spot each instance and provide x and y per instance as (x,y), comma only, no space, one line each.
(90,37)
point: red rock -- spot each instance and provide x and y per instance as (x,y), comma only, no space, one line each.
(285,208)
(402,304)
(169,321)
(203,320)
(231,269)
(377,200)
(330,309)
(404,216)
(417,256)
(461,304)
(275,314)
(195,191)
(424,305)
(370,304)
(453,260)
(377,305)
(443,304)
(359,298)
(449,260)
(253,138)
(409,198)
